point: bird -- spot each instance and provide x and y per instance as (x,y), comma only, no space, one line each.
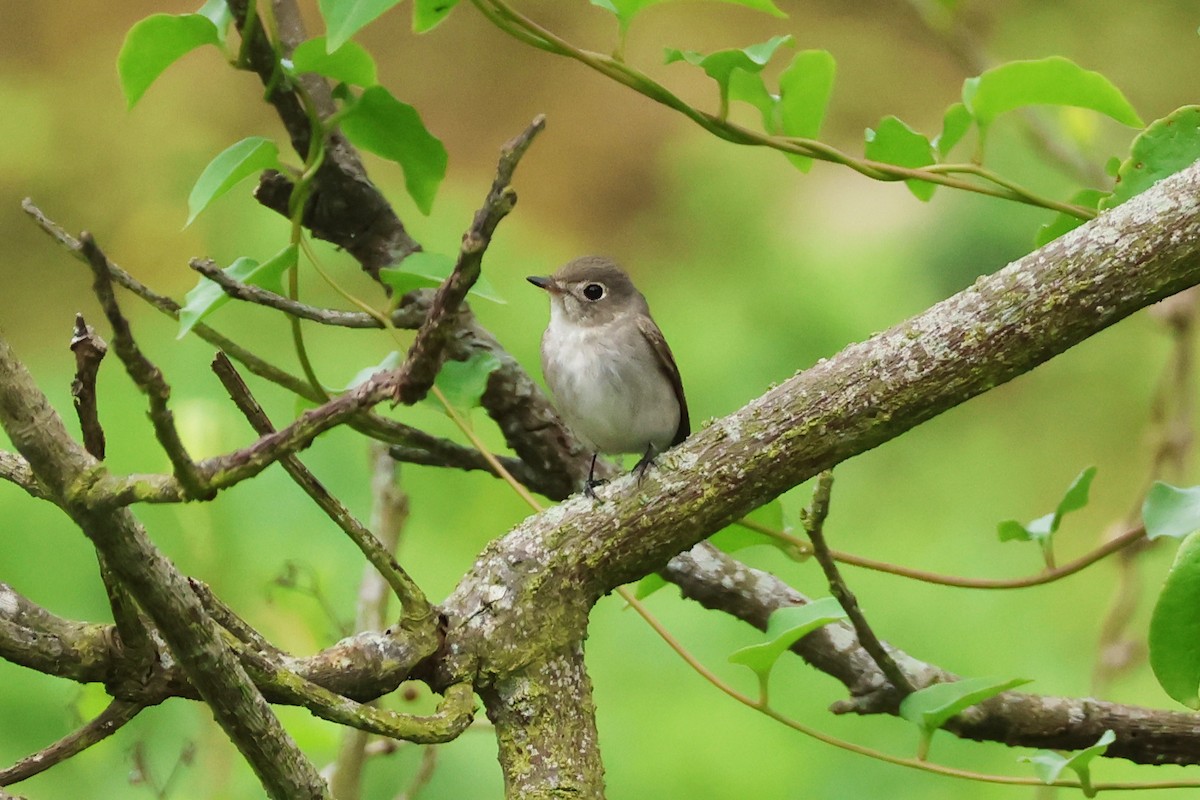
(613,376)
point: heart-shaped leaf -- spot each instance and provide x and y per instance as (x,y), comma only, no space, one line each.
(380,123)
(207,296)
(1171,511)
(1048,81)
(1048,765)
(929,708)
(423,270)
(350,63)
(1175,627)
(157,42)
(235,163)
(344,18)
(786,627)
(893,142)
(1165,147)
(804,91)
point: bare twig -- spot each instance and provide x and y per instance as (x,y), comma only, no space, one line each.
(814,523)
(417,610)
(427,351)
(228,619)
(424,774)
(1115,544)
(89,350)
(523,413)
(82,487)
(147,376)
(110,720)
(389,511)
(408,315)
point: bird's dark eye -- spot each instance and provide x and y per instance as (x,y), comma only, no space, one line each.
(593,291)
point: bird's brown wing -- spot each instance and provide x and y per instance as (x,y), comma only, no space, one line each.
(666,363)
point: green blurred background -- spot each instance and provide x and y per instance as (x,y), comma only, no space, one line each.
(753,270)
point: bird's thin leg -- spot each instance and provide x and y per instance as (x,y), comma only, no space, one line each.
(640,467)
(589,488)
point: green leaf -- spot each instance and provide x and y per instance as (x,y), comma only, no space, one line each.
(156,43)
(649,585)
(786,627)
(1171,511)
(893,142)
(955,124)
(804,91)
(428,14)
(1048,764)
(1042,528)
(350,63)
(626,10)
(1048,81)
(748,87)
(380,123)
(1065,223)
(344,18)
(721,65)
(389,362)
(207,296)
(218,11)
(464,382)
(1165,147)
(1175,627)
(738,537)
(929,708)
(237,162)
(424,269)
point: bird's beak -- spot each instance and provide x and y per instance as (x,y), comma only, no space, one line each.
(542,282)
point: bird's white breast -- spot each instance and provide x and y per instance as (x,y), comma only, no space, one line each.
(608,386)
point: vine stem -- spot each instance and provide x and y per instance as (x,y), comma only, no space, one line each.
(1117,543)
(526,30)
(912,763)
(759,704)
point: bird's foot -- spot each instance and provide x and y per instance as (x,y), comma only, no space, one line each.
(641,466)
(589,488)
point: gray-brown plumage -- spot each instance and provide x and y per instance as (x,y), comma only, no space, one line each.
(613,376)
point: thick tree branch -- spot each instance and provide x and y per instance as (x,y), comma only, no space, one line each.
(1007,323)
(1144,735)
(546,729)
(345,207)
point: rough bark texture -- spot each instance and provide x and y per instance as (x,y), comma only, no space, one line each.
(527,596)
(546,729)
